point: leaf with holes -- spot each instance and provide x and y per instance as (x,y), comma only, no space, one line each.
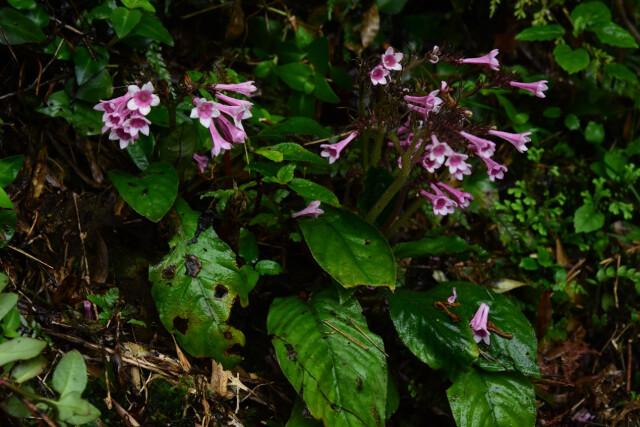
(333,361)
(152,194)
(441,342)
(352,251)
(487,399)
(194,288)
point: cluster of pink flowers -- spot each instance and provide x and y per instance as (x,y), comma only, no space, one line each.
(479,323)
(223,117)
(124,117)
(390,62)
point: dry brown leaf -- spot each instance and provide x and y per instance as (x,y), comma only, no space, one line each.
(370,25)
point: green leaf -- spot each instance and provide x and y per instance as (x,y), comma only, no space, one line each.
(391,6)
(4,281)
(29,369)
(248,246)
(312,191)
(620,72)
(267,267)
(139,4)
(324,92)
(297,76)
(98,87)
(89,63)
(22,348)
(141,151)
(614,35)
(588,218)
(74,410)
(292,152)
(571,60)
(541,33)
(8,218)
(150,27)
(594,132)
(484,399)
(23,4)
(124,20)
(299,416)
(8,300)
(152,194)
(9,168)
(351,250)
(318,54)
(333,361)
(18,29)
(439,245)
(295,126)
(572,122)
(70,375)
(194,288)
(590,15)
(442,343)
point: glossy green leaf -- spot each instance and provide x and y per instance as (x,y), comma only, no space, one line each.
(541,33)
(18,29)
(248,246)
(431,246)
(318,54)
(141,151)
(588,218)
(22,348)
(488,399)
(9,168)
(590,15)
(89,64)
(594,132)
(312,191)
(571,60)
(98,87)
(267,267)
(331,359)
(620,72)
(299,416)
(150,27)
(324,92)
(292,152)
(614,35)
(24,371)
(194,288)
(441,342)
(23,4)
(351,250)
(391,6)
(151,194)
(124,20)
(8,300)
(297,76)
(295,126)
(139,4)
(74,410)
(70,375)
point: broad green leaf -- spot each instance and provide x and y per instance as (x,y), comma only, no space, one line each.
(441,342)
(590,15)
(151,194)
(248,246)
(333,361)
(98,87)
(74,410)
(588,218)
(594,132)
(312,191)
(89,63)
(23,4)
(11,323)
(139,4)
(194,288)
(70,375)
(22,348)
(297,76)
(620,72)
(18,29)
(4,281)
(391,6)
(8,300)
(489,399)
(24,371)
(124,20)
(298,418)
(267,267)
(150,27)
(439,245)
(351,250)
(295,126)
(8,218)
(318,54)
(614,35)
(324,92)
(571,60)
(292,152)
(9,168)
(541,33)
(141,151)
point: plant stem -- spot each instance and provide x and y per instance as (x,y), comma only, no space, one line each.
(408,214)
(376,155)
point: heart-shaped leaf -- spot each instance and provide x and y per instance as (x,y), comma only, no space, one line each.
(571,60)
(18,29)
(152,194)
(351,250)
(124,20)
(489,399)
(333,361)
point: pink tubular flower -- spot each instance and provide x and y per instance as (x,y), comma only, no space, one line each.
(519,140)
(244,88)
(494,169)
(219,144)
(463,199)
(313,210)
(488,59)
(142,99)
(479,324)
(391,60)
(457,165)
(231,131)
(453,297)
(201,162)
(379,75)
(480,146)
(137,124)
(438,151)
(442,205)
(424,104)
(536,88)
(204,111)
(123,137)
(332,151)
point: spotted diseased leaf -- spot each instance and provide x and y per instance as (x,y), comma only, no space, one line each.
(331,359)
(195,287)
